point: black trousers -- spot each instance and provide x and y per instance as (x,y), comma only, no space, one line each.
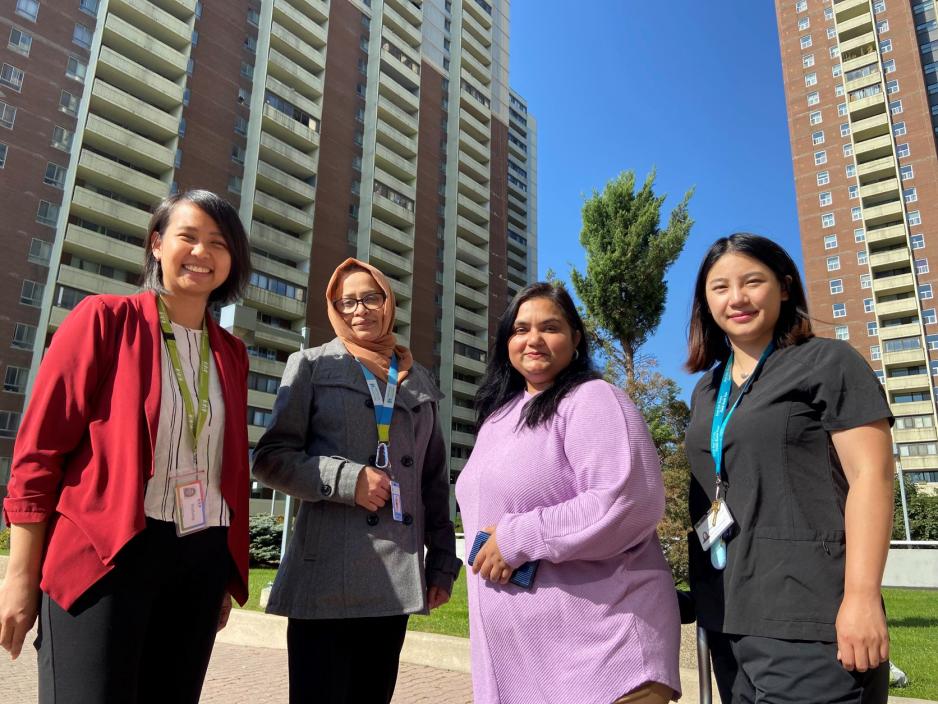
(345,660)
(756,670)
(143,633)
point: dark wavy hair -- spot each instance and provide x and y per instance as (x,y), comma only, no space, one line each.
(502,382)
(228,222)
(706,342)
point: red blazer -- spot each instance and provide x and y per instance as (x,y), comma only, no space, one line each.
(84,450)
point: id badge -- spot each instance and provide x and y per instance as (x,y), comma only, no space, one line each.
(711,527)
(190,504)
(396,510)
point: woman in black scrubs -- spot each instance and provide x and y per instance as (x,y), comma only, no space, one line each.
(791,489)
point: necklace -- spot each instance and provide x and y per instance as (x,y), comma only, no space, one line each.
(742,375)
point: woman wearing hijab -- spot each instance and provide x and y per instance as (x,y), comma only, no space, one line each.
(356,437)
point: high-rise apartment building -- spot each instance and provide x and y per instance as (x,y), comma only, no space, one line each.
(861,85)
(381,129)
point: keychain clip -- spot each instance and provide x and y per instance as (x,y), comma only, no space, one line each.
(382,456)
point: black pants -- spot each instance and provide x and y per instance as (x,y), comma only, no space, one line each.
(344,661)
(143,633)
(756,670)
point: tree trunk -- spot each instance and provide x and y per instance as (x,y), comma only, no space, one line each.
(628,357)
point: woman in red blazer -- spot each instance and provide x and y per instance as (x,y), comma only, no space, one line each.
(128,495)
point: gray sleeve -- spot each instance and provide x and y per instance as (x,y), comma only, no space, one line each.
(280,458)
(442,565)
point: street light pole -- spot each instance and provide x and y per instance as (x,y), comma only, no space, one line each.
(905,505)
(288,500)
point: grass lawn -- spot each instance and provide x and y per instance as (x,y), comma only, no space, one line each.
(913,633)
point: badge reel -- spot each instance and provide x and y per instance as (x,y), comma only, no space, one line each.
(710,530)
(383,462)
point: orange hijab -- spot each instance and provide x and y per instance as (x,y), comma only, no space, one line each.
(374,354)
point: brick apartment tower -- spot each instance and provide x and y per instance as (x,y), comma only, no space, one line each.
(861,86)
(384,130)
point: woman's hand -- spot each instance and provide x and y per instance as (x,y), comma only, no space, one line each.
(436,596)
(373,488)
(19,604)
(862,638)
(225,611)
(489,563)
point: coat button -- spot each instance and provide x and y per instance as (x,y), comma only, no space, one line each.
(407,460)
(372,519)
(416,409)
(369,403)
(325,490)
(408,519)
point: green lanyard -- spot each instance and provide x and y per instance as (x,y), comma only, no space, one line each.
(195,424)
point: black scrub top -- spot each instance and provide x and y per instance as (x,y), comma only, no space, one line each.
(785,487)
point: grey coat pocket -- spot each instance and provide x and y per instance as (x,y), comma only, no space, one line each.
(311,534)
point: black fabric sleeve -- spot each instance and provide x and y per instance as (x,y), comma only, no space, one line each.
(845,389)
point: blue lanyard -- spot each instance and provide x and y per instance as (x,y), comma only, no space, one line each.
(384,409)
(721,416)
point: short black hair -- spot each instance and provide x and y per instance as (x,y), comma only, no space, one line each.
(706,342)
(226,218)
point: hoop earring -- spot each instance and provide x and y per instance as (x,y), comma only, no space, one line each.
(576,354)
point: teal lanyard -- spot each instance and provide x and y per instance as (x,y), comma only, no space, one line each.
(384,410)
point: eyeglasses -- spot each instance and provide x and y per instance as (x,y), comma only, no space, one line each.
(371,301)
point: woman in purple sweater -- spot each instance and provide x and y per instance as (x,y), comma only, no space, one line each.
(564,472)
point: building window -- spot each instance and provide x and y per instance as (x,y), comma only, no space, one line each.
(47,213)
(879,6)
(842,110)
(875,352)
(859,235)
(244,96)
(357,162)
(76,69)
(190,66)
(247,70)
(237,154)
(62,138)
(825,198)
(925,292)
(836,70)
(28,9)
(828,13)
(882,26)
(840,310)
(895,107)
(7,115)
(917,241)
(921,266)
(845,129)
(903,150)
(910,195)
(931,342)
(195,37)
(815,118)
(40,252)
(11,77)
(833,263)
(817,137)
(836,286)
(23,336)
(3,155)
(89,6)
(823,178)
(68,103)
(848,150)
(234,184)
(804,23)
(806,41)
(20,42)
(182,127)
(892,86)
(862,256)
(831,33)
(856,213)
(866,281)
(82,36)
(868,306)
(54,176)
(929,317)
(885,46)
(820,158)
(853,192)
(9,424)
(889,66)
(915,218)
(814,98)
(810,79)
(906,172)
(830,241)
(241,126)
(850,170)
(872,329)
(14,380)
(254,17)
(31,293)
(842,332)
(807,61)
(250,43)
(834,51)
(839,90)
(177,161)
(827,220)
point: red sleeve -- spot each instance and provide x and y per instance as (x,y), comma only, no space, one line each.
(56,418)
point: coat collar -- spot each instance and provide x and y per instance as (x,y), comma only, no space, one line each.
(336,367)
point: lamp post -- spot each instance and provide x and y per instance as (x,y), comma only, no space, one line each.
(905,505)
(288,500)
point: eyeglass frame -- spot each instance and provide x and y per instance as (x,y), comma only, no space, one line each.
(336,302)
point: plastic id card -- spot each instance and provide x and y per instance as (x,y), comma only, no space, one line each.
(190,504)
(713,525)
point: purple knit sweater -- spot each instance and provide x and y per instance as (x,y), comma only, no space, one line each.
(583,495)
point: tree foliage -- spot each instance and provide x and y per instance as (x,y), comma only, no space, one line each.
(265,533)
(627,256)
(923,514)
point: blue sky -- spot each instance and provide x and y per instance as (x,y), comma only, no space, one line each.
(677,86)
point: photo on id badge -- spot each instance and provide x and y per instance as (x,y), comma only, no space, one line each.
(190,502)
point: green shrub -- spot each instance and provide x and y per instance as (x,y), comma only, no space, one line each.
(5,540)
(266,533)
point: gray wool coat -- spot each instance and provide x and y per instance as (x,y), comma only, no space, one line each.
(344,561)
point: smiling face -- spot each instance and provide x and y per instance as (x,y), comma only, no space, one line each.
(367,325)
(192,252)
(542,343)
(745,298)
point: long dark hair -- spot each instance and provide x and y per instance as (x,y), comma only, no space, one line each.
(228,222)
(706,342)
(502,382)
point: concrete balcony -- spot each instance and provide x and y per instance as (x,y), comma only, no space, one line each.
(396,140)
(127,145)
(902,306)
(407,73)
(288,72)
(474,147)
(408,189)
(863,81)
(517,150)
(108,212)
(286,129)
(870,127)
(916,408)
(138,80)
(896,331)
(884,167)
(517,277)
(385,259)
(463,363)
(478,13)
(889,258)
(288,188)
(93,283)
(283,156)
(304,27)
(470,231)
(466,415)
(867,107)
(280,270)
(317,9)
(872,149)
(473,167)
(398,166)
(155,22)
(894,284)
(397,94)
(274,210)
(472,321)
(854,27)
(477,256)
(121,179)
(390,236)
(463,389)
(517,260)
(180,9)
(517,217)
(480,74)
(270,367)
(471,80)
(915,382)
(480,30)
(879,214)
(858,61)
(481,131)
(906,358)
(259,399)
(473,190)
(880,191)
(913,434)
(142,48)
(403,120)
(472,210)
(474,106)
(294,97)
(279,243)
(460,438)
(100,248)
(401,290)
(919,463)
(391,212)
(867,40)
(410,11)
(402,322)
(894,234)
(402,27)
(471,275)
(295,49)
(481,53)
(520,194)
(138,116)
(846,9)
(470,298)
(273,303)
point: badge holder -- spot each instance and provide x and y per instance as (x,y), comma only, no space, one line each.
(383,462)
(190,504)
(710,530)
